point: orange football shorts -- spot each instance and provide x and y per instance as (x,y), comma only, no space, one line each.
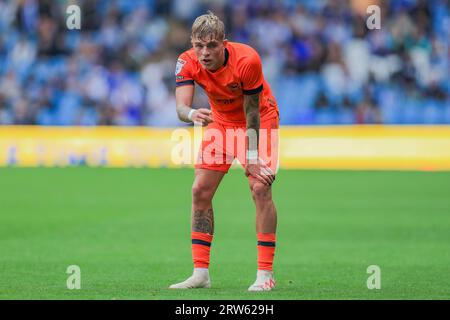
(221,144)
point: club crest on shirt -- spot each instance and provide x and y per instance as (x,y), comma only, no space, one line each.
(180,65)
(234,86)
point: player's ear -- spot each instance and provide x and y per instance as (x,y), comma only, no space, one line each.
(225,42)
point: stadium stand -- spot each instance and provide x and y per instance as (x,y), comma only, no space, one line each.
(323,63)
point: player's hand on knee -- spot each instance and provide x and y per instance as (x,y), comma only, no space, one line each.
(202,117)
(261,171)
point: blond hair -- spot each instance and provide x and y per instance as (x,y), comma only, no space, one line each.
(208,25)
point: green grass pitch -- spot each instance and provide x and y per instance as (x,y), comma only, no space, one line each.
(129,232)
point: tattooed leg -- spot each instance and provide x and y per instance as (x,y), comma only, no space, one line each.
(205,185)
(203,221)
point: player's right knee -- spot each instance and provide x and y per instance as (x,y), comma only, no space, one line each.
(201,192)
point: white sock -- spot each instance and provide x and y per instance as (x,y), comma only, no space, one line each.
(264,281)
(201,272)
(199,279)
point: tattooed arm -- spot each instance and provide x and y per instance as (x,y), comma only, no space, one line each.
(251,108)
(255,166)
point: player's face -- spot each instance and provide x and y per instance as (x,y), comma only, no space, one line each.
(210,52)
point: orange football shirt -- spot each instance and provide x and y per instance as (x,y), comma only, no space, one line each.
(240,75)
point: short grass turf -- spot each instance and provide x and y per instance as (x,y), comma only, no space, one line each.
(129,232)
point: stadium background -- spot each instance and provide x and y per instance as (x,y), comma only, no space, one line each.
(349,97)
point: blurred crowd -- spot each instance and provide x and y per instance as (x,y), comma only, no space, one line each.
(323,63)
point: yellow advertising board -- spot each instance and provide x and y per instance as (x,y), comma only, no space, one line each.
(330,147)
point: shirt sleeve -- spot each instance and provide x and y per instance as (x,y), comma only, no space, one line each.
(183,71)
(251,75)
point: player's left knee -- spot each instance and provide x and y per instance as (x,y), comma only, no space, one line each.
(261,192)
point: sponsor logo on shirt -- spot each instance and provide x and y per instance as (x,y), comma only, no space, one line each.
(234,86)
(225,101)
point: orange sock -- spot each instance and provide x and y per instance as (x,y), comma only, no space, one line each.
(201,245)
(266,250)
